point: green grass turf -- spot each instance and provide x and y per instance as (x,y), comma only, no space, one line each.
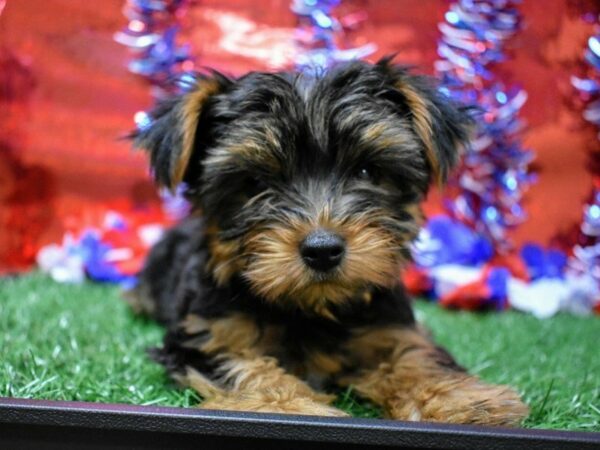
(66,342)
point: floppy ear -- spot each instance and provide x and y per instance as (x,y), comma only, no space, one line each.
(442,125)
(171,135)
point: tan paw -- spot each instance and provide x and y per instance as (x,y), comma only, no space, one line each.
(466,401)
(271,402)
(290,399)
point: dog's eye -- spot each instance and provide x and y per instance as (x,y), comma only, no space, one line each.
(367,173)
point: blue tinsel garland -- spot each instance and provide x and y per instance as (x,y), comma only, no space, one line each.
(494,174)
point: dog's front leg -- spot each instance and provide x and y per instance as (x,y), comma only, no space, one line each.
(413,379)
(226,360)
(258,383)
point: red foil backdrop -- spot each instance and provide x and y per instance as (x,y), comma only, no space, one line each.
(66,99)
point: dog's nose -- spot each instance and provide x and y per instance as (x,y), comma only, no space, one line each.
(322,250)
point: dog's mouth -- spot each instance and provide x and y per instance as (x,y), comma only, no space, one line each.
(333,277)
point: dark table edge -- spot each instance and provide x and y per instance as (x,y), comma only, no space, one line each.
(385,433)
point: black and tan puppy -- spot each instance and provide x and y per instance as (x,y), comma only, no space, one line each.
(284,280)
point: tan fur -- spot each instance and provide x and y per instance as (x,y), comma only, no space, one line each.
(271,137)
(275,268)
(417,214)
(190,114)
(252,149)
(367,297)
(140,301)
(225,258)
(273,392)
(413,380)
(422,122)
(235,334)
(193,324)
(374,131)
(261,147)
(380,137)
(246,379)
(239,335)
(323,364)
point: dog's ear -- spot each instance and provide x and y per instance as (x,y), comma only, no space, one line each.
(442,125)
(174,125)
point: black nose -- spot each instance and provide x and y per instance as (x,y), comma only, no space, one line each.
(322,250)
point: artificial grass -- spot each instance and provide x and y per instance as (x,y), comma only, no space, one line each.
(69,342)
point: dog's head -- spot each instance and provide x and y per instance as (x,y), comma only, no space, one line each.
(310,185)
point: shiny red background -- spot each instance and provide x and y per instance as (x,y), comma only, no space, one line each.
(66,98)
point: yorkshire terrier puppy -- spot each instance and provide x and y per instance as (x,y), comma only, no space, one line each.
(283,281)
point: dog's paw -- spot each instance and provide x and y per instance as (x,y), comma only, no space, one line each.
(465,401)
(287,399)
(272,401)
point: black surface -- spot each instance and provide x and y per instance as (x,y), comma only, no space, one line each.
(27,424)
